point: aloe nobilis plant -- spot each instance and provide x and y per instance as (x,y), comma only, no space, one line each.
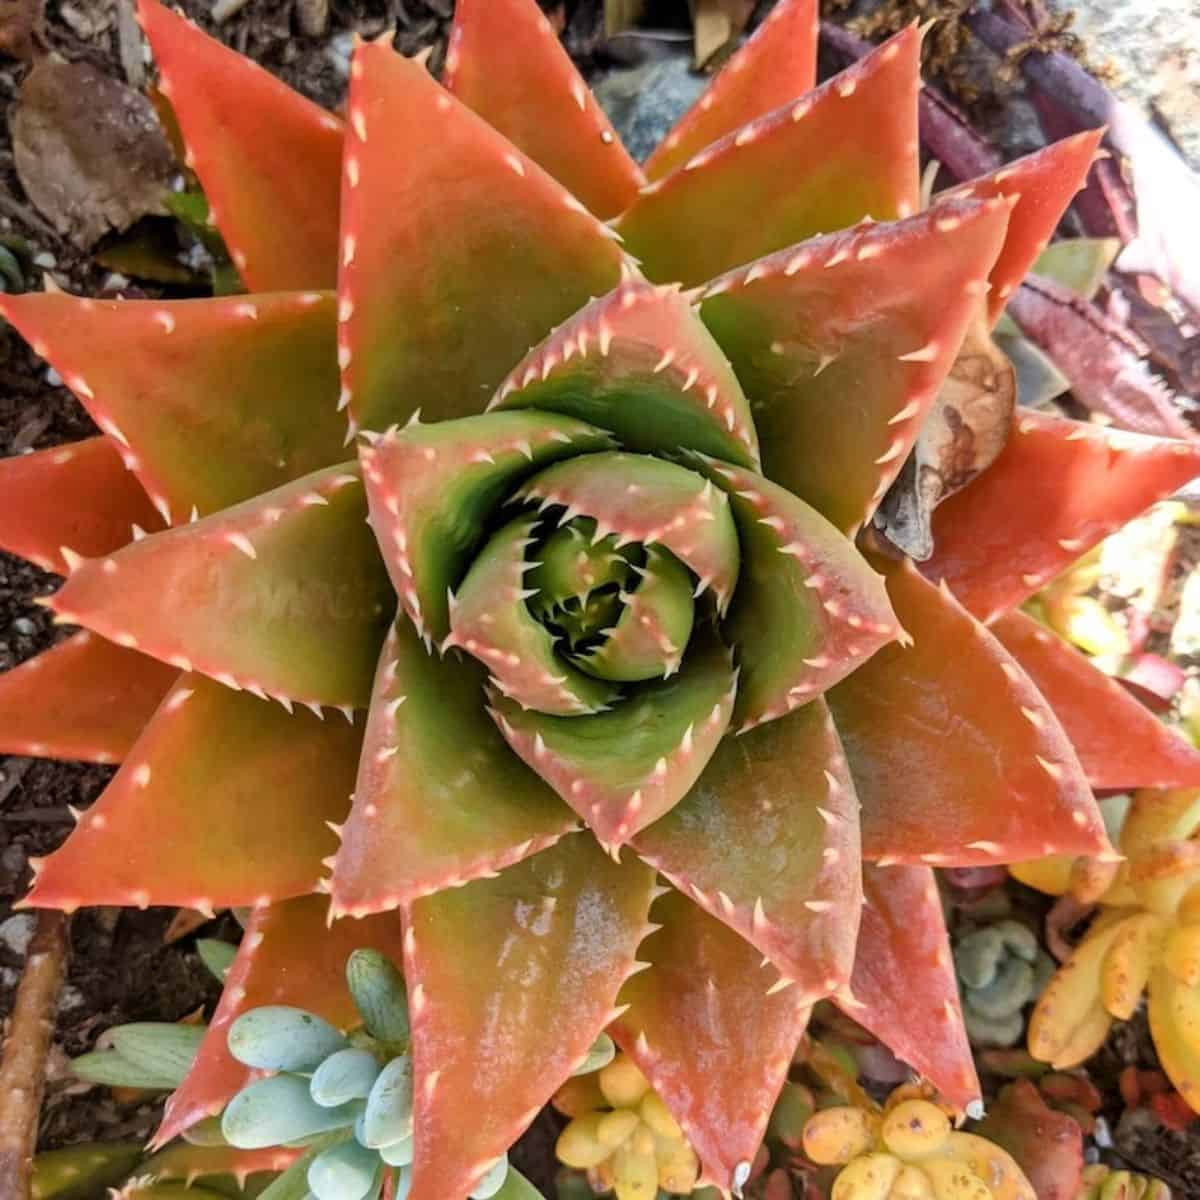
(551,473)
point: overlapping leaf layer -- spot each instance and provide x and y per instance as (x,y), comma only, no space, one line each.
(629,678)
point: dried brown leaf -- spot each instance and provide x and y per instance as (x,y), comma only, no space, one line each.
(965,431)
(89,151)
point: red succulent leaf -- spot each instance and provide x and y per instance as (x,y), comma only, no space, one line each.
(80,496)
(903,988)
(1044,184)
(842,354)
(427,249)
(283,595)
(777,65)
(1046,1143)
(808,610)
(223,800)
(427,815)
(847,150)
(290,954)
(209,401)
(621,770)
(918,721)
(510,981)
(514,91)
(1120,743)
(189,1163)
(710,1034)
(1058,488)
(639,363)
(432,489)
(767,841)
(85,699)
(267,157)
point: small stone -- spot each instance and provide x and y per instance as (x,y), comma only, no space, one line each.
(16,933)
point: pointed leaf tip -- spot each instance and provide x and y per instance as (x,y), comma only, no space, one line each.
(919,720)
(1058,488)
(841,153)
(269,159)
(709,1032)
(426,250)
(85,700)
(534,76)
(777,65)
(81,496)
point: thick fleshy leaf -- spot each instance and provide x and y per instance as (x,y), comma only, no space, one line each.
(85,699)
(267,157)
(844,152)
(639,363)
(1120,743)
(1045,183)
(510,981)
(776,66)
(903,989)
(490,620)
(222,801)
(711,1033)
(291,955)
(767,840)
(808,610)
(283,595)
(648,500)
(210,401)
(440,797)
(1058,488)
(956,758)
(80,496)
(1175,1025)
(621,770)
(189,1163)
(842,353)
(514,91)
(427,250)
(433,488)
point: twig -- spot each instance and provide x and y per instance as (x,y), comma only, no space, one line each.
(222,10)
(129,45)
(23,1068)
(312,16)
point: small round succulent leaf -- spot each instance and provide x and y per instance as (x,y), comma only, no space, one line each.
(278,1109)
(280,1037)
(346,1171)
(388,1116)
(345,1075)
(379,995)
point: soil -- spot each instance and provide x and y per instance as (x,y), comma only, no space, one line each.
(123,966)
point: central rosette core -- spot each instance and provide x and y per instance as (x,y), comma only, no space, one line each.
(598,584)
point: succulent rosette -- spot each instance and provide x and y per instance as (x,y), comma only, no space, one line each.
(558,469)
